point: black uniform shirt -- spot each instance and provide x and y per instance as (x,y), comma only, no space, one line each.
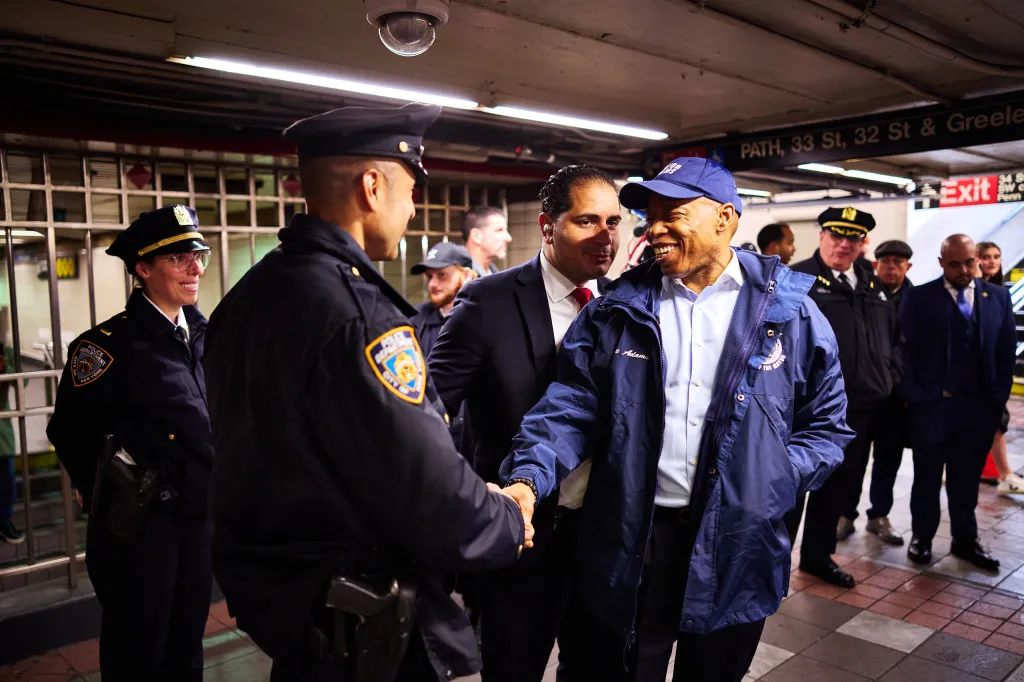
(866,327)
(333,453)
(136,378)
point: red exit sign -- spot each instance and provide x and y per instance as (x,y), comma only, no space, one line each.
(983,189)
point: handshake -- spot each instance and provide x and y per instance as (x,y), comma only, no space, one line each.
(521,494)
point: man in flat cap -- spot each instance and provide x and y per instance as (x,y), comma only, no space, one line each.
(704,389)
(338,497)
(138,377)
(864,320)
(889,432)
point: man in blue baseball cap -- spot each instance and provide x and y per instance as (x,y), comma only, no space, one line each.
(705,387)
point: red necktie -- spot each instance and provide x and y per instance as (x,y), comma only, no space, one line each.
(582,296)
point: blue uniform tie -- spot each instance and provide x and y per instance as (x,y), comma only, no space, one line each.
(962,304)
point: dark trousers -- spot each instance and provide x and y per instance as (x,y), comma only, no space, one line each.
(523,607)
(155,596)
(720,656)
(889,438)
(958,440)
(825,505)
(7,487)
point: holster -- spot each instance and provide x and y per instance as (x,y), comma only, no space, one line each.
(132,497)
(371,627)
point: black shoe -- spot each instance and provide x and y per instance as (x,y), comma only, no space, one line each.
(10,534)
(830,573)
(972,551)
(920,551)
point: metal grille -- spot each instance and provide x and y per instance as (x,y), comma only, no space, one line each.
(59,211)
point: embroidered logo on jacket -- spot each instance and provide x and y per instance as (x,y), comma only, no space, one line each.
(775,357)
(397,361)
(88,363)
(630,353)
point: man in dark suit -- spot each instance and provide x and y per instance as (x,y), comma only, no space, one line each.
(496,353)
(959,350)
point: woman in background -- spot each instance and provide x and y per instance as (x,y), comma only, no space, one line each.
(990,266)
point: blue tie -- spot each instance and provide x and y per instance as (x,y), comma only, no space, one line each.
(962,304)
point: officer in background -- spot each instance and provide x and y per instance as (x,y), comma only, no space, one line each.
(139,378)
(334,465)
(889,432)
(446,268)
(864,321)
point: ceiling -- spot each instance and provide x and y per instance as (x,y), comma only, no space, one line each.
(691,69)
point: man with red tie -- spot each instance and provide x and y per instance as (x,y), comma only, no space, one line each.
(496,352)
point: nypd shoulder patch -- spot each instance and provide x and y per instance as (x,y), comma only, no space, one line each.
(397,360)
(88,363)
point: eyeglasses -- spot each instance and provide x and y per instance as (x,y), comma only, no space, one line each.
(184,261)
(856,239)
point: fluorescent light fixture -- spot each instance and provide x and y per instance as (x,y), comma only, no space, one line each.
(323,82)
(287,76)
(752,192)
(635,178)
(862,175)
(25,233)
(570,122)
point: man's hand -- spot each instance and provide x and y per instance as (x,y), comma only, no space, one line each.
(524,499)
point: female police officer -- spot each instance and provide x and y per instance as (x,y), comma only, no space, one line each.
(139,378)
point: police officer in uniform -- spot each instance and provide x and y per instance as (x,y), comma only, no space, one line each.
(334,464)
(864,320)
(138,377)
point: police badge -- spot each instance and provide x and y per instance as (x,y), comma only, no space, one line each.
(88,363)
(397,361)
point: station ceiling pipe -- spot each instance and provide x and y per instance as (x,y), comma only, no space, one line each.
(903,34)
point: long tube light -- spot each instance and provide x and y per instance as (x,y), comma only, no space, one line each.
(412,96)
(862,175)
(752,192)
(572,122)
(324,82)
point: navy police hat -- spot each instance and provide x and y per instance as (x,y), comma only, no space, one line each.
(442,255)
(380,132)
(894,247)
(685,178)
(847,222)
(171,229)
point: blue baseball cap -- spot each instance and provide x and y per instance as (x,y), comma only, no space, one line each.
(686,178)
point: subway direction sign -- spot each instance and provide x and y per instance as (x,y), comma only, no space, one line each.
(969,123)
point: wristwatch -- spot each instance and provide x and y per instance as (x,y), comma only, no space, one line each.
(528,483)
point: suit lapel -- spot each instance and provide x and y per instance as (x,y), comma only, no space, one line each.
(532,300)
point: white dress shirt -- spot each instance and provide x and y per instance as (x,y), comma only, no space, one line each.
(850,275)
(179,320)
(968,292)
(693,332)
(564,308)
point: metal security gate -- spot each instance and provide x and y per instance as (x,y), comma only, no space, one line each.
(59,210)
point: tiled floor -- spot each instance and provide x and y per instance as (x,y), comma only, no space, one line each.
(949,623)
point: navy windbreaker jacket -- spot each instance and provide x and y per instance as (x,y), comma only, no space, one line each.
(776,428)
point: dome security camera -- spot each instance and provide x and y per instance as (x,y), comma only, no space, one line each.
(407,27)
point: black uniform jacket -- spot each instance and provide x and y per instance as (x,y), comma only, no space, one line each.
(333,453)
(866,326)
(135,378)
